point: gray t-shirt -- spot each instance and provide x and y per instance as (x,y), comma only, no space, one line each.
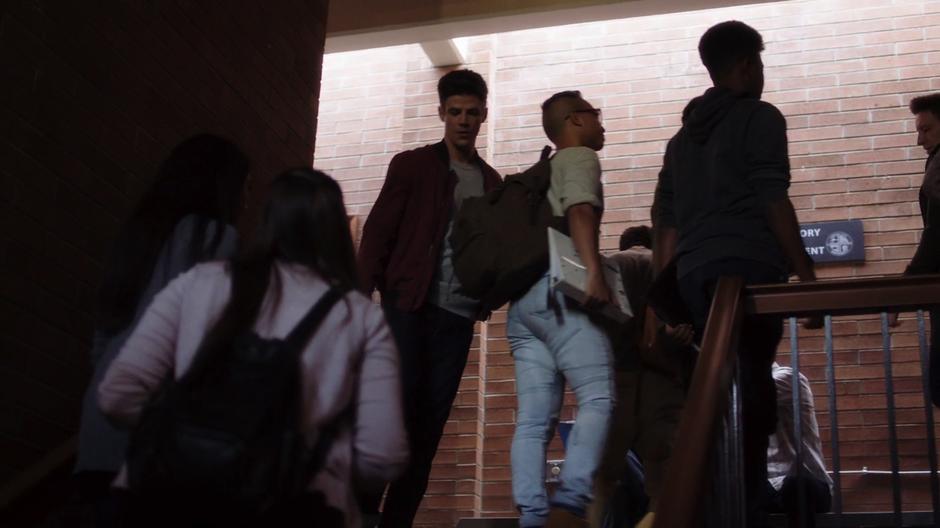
(443,290)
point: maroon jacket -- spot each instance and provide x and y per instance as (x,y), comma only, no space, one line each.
(403,236)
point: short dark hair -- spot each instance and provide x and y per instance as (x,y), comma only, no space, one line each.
(636,236)
(461,82)
(727,43)
(552,120)
(926,103)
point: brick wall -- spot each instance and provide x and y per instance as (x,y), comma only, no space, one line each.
(92,97)
(841,71)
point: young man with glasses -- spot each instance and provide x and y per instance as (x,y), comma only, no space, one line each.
(553,338)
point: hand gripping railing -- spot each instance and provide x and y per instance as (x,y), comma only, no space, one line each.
(697,439)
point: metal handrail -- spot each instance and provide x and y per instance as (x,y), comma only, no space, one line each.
(707,395)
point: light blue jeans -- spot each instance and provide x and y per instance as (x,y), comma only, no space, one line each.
(553,341)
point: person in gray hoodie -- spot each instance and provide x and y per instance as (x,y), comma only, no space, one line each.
(721,208)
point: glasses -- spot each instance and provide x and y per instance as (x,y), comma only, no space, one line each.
(595,111)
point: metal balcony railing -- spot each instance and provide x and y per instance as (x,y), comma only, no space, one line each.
(710,423)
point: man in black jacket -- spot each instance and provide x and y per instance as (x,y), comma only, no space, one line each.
(721,208)
(926,110)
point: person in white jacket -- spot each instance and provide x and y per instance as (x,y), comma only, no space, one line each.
(783,472)
(302,248)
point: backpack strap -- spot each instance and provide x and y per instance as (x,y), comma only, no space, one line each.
(325,437)
(546,153)
(327,432)
(304,330)
(295,342)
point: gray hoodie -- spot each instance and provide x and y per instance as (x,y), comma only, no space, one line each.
(721,170)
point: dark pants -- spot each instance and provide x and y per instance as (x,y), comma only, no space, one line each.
(433,344)
(304,511)
(96,497)
(757,347)
(935,355)
(816,496)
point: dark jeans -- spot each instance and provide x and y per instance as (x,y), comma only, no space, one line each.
(818,499)
(306,510)
(757,347)
(433,344)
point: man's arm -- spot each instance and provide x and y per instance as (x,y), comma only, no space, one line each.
(921,259)
(665,240)
(782,221)
(381,228)
(768,165)
(584,223)
(768,173)
(662,213)
(924,259)
(582,199)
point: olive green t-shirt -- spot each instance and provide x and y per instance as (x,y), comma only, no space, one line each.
(576,179)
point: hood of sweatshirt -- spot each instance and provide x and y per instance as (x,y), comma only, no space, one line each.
(706,111)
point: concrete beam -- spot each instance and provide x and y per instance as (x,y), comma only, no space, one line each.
(443,53)
(369,24)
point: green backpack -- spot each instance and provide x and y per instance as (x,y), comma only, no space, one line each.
(500,239)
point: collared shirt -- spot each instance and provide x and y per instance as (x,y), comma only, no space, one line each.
(781,453)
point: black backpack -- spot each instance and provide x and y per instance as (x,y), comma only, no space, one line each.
(231,445)
(500,239)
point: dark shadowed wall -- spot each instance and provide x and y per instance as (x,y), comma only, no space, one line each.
(92,97)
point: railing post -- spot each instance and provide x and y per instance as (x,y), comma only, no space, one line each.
(726,507)
(928,416)
(796,387)
(711,381)
(833,424)
(892,422)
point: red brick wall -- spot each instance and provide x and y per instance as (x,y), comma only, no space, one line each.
(91,99)
(841,71)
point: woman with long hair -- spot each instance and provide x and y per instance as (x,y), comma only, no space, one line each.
(302,249)
(185,217)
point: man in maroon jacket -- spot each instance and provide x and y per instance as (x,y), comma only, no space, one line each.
(406,256)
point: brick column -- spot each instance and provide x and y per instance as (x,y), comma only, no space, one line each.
(91,99)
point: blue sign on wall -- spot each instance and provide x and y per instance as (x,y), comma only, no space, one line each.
(841,241)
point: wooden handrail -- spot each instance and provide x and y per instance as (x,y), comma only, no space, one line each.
(685,472)
(843,297)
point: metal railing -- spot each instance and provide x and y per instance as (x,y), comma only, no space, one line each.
(710,427)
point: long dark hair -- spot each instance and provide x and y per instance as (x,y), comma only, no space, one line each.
(304,222)
(204,176)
